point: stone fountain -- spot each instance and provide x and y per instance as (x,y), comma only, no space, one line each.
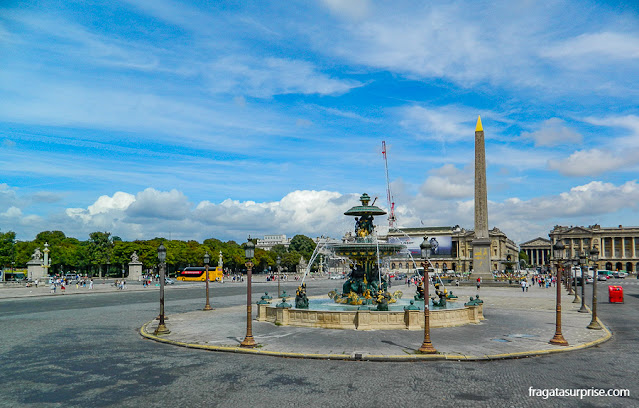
(364,301)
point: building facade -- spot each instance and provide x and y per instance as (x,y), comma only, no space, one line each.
(504,253)
(269,241)
(618,246)
(537,250)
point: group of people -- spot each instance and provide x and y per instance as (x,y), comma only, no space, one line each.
(543,281)
(120,284)
(64,282)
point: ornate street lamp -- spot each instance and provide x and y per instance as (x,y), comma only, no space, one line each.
(249,253)
(594,257)
(583,261)
(278,261)
(558,252)
(161,329)
(207,259)
(427,346)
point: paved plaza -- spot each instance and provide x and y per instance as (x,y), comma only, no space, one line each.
(517,324)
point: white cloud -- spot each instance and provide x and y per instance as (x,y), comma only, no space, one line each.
(167,205)
(449,182)
(355,9)
(628,122)
(156,213)
(592,199)
(447,123)
(553,132)
(12,212)
(599,47)
(265,77)
(588,163)
(8,196)
(151,213)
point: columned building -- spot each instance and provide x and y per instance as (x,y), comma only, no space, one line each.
(504,253)
(618,246)
(537,250)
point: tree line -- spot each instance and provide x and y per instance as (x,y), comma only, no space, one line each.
(104,254)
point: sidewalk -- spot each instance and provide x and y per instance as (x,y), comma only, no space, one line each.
(517,325)
(99,286)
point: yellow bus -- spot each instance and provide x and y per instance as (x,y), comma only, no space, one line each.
(198,274)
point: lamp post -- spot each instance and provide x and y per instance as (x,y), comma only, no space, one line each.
(583,262)
(594,257)
(427,346)
(161,329)
(278,261)
(207,258)
(575,262)
(558,339)
(249,253)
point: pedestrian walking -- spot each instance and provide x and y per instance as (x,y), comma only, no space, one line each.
(524,285)
(52,287)
(478,282)
(36,283)
(91,284)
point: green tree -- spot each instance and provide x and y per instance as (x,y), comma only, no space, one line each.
(7,247)
(303,245)
(100,249)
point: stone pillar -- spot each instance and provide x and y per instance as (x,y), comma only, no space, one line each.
(481,243)
(634,251)
(135,271)
(612,247)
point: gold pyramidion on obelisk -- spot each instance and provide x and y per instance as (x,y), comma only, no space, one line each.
(481,242)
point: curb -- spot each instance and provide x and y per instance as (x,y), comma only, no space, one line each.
(379,358)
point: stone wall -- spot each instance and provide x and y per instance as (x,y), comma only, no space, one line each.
(367,319)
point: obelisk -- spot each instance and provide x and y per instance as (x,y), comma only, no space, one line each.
(481,243)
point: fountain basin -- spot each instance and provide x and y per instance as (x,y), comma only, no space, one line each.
(355,319)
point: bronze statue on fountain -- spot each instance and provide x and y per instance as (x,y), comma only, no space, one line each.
(301,300)
(364,283)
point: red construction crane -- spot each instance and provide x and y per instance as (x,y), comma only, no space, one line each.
(389,195)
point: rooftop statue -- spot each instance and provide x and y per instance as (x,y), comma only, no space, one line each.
(37,255)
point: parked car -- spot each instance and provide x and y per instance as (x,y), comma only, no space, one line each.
(168,281)
(620,274)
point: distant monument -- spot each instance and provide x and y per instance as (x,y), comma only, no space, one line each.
(301,265)
(37,266)
(135,267)
(481,243)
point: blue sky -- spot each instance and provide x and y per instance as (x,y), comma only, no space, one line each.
(206,119)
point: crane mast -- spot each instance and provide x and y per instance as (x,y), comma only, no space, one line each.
(389,194)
